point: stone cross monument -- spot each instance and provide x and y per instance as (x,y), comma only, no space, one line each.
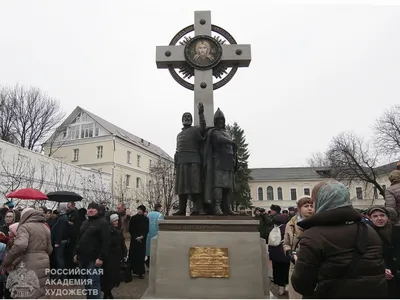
(204,57)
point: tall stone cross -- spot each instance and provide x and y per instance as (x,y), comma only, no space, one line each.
(203,57)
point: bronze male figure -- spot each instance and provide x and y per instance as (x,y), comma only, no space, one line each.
(188,164)
(220,163)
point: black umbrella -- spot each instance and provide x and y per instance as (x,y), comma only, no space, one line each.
(64,196)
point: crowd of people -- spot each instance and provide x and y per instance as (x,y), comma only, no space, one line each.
(325,248)
(58,245)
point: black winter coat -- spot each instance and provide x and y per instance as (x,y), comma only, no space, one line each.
(94,240)
(326,249)
(112,265)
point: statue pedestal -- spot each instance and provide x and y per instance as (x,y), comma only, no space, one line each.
(170,274)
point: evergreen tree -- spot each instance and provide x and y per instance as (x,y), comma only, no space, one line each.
(241,196)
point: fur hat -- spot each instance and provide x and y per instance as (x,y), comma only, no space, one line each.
(276,208)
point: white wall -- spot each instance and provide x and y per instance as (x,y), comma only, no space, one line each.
(21,168)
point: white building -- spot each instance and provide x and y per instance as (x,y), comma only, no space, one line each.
(87,140)
(283,186)
(22,168)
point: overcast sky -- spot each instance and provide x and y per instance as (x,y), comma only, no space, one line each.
(315,70)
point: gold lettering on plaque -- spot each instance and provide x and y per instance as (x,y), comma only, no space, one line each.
(208,262)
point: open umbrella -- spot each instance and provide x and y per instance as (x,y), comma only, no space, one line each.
(28,194)
(64,196)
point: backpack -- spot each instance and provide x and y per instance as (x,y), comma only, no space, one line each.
(275,238)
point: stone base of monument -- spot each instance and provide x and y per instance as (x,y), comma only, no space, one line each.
(208,257)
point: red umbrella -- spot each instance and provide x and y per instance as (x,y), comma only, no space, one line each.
(28,194)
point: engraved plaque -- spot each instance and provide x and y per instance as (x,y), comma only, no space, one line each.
(208,262)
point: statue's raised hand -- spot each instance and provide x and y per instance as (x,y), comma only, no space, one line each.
(200,108)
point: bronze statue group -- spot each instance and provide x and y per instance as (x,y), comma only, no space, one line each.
(205,165)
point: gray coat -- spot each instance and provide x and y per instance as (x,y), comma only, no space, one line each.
(392,197)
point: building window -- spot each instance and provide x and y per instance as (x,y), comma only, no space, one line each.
(86,131)
(78,118)
(375,193)
(76,155)
(128,157)
(138,160)
(359,193)
(293,194)
(260,194)
(99,151)
(138,181)
(307,191)
(127,180)
(74,132)
(270,193)
(280,195)
(84,117)
(96,131)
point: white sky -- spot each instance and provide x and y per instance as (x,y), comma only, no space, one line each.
(315,70)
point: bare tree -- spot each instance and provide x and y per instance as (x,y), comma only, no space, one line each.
(387,132)
(7,116)
(27,115)
(12,172)
(349,159)
(122,190)
(149,193)
(56,140)
(160,187)
(95,191)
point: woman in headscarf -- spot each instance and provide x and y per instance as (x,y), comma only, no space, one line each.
(339,256)
(390,237)
(112,274)
(138,229)
(32,246)
(153,217)
(293,234)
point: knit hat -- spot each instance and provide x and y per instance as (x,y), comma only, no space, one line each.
(10,204)
(94,205)
(114,217)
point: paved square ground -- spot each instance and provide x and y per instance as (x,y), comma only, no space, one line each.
(136,288)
